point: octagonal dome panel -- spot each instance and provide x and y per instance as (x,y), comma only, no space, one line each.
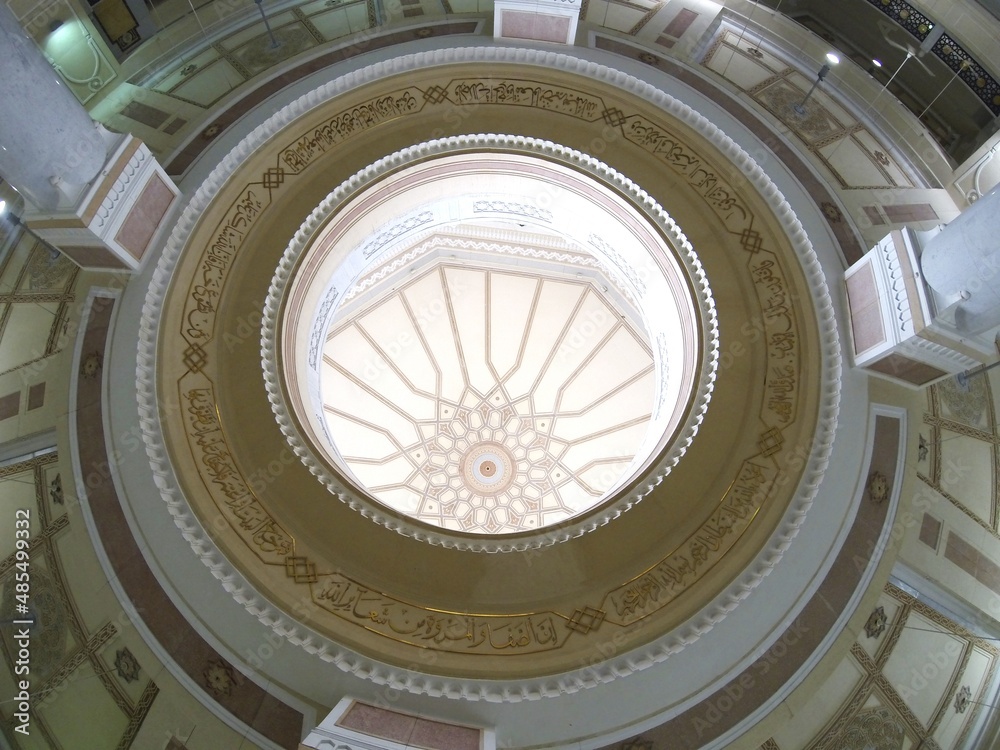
(488,400)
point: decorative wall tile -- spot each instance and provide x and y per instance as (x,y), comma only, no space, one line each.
(36,396)
(10,405)
(930,531)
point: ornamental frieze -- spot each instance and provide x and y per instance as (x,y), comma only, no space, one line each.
(446,631)
(225,483)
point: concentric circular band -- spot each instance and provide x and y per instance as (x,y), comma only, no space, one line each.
(308,282)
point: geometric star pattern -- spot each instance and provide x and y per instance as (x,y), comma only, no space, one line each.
(488,401)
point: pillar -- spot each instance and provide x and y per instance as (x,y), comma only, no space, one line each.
(46,136)
(102,199)
(962,262)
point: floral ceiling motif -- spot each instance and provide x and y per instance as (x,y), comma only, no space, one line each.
(489,401)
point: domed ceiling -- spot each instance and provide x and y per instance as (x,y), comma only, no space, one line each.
(498,382)
(518,404)
(480,363)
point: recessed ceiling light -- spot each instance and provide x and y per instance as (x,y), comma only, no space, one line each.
(877,63)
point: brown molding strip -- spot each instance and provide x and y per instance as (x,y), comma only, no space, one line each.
(849,242)
(242,698)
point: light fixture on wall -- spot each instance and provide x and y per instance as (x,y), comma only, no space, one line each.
(963,378)
(274,42)
(831,59)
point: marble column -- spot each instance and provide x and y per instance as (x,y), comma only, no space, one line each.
(46,136)
(101,198)
(962,262)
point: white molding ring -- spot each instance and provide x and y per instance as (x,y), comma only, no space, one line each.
(511,691)
(651,475)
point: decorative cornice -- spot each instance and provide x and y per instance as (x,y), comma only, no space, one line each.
(120,187)
(495,691)
(898,297)
(495,242)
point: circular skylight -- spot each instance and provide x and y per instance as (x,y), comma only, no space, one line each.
(490,343)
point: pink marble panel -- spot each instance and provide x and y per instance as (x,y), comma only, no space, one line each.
(542,27)
(972,561)
(10,405)
(435,735)
(904,368)
(91,257)
(145,216)
(930,531)
(874,215)
(378,722)
(866,318)
(680,23)
(147,115)
(906,212)
(36,396)
(175,125)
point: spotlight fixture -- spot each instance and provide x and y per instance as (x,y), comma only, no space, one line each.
(831,59)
